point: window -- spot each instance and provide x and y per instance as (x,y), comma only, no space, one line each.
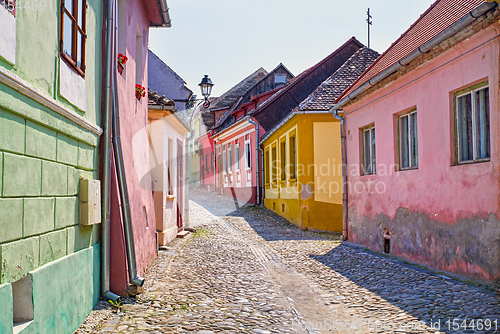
(230,159)
(237,156)
(73,34)
(408,140)
(473,125)
(369,160)
(266,166)
(293,163)
(283,160)
(206,161)
(224,162)
(280,78)
(273,164)
(248,154)
(212,160)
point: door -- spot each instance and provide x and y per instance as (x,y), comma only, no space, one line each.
(180,185)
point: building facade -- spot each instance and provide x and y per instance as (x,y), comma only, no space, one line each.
(302,154)
(422,144)
(50,125)
(167,131)
(134,19)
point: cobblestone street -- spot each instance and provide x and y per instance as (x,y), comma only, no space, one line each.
(246,270)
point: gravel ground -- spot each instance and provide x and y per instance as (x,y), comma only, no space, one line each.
(247,270)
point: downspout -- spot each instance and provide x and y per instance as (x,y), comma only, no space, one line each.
(257,149)
(122,182)
(345,216)
(106,168)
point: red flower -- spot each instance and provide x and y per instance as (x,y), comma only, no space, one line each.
(122,59)
(140,89)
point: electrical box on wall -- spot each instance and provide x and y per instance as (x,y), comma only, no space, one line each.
(90,202)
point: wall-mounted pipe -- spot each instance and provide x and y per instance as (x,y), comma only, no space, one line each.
(107,160)
(452,30)
(257,148)
(122,180)
(345,188)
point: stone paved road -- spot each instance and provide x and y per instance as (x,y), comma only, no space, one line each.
(249,271)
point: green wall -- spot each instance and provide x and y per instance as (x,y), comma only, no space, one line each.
(42,157)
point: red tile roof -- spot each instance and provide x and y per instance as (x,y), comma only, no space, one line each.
(440,16)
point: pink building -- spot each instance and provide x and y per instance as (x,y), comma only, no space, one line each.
(134,19)
(422,143)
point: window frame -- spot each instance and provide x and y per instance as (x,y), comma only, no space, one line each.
(373,148)
(229,159)
(274,161)
(283,164)
(237,156)
(224,161)
(292,155)
(248,155)
(267,171)
(410,149)
(72,60)
(471,90)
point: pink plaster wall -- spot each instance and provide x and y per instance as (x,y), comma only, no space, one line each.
(438,190)
(133,117)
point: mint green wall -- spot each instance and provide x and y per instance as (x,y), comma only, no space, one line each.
(37,59)
(64,293)
(42,157)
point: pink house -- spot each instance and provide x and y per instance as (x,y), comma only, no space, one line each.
(134,19)
(422,141)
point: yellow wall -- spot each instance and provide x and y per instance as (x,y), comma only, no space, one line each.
(312,199)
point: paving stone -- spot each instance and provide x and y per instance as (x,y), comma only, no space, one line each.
(226,278)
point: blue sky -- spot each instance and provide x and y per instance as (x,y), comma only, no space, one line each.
(230,39)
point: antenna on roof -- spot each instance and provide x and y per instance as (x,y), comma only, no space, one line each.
(370,22)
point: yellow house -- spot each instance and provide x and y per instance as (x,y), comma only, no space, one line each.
(303,157)
(303,171)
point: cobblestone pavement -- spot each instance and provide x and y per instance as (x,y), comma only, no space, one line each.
(249,271)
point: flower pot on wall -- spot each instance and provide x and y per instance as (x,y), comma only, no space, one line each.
(138,95)
(120,68)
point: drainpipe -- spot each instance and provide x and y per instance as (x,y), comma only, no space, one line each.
(106,168)
(122,181)
(257,148)
(345,217)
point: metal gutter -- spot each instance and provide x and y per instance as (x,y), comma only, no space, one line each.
(107,160)
(452,30)
(128,232)
(165,16)
(345,217)
(174,113)
(288,118)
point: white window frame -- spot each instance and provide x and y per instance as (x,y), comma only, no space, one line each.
(248,152)
(237,156)
(373,164)
(224,162)
(229,159)
(471,92)
(410,149)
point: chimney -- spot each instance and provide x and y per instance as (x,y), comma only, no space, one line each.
(260,75)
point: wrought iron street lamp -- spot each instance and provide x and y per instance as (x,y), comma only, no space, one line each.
(206,88)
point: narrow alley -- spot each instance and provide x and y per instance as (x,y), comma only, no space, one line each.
(248,271)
